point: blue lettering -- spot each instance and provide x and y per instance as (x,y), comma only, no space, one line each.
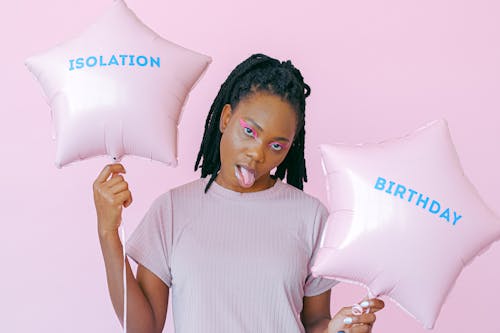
(412,193)
(90,63)
(400,189)
(79,63)
(380,184)
(113,61)
(389,189)
(446,215)
(435,207)
(419,200)
(101,63)
(155,61)
(142,61)
(123,57)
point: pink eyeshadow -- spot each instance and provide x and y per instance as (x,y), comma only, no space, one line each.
(245,124)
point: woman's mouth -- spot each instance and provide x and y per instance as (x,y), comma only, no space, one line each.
(245,176)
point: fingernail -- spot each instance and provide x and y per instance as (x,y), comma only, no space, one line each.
(365,304)
(357,309)
(348,320)
(340,332)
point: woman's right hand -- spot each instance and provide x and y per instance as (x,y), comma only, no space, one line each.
(111,194)
(361,320)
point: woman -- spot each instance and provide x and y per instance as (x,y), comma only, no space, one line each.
(236,248)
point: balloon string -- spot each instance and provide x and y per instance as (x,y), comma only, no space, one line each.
(122,232)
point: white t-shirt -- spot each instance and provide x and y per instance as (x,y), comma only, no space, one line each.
(234,262)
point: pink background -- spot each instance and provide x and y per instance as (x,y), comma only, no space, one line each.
(378,70)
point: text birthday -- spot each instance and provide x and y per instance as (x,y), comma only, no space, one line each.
(418,199)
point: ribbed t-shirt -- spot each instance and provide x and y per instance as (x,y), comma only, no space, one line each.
(234,262)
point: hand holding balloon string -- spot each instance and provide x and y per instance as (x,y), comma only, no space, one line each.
(111,194)
(358,318)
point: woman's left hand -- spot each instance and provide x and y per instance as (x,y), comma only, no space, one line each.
(360,320)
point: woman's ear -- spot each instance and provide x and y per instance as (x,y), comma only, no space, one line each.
(225,116)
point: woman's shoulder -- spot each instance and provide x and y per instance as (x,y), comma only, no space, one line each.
(191,192)
(296,195)
(189,189)
(194,185)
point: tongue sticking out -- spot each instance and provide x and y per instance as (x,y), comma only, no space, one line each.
(247,177)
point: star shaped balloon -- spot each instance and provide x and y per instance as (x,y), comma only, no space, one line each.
(118,88)
(404,219)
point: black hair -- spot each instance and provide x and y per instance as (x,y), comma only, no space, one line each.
(258,73)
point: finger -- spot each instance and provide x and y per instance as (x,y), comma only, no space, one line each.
(115,179)
(365,318)
(108,170)
(360,329)
(373,304)
(120,187)
(128,202)
(346,311)
(123,197)
(376,304)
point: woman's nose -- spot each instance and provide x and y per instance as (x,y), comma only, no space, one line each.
(256,152)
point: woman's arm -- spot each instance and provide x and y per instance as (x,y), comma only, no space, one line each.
(147,297)
(315,314)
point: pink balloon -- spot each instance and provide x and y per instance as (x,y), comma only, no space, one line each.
(404,219)
(118,88)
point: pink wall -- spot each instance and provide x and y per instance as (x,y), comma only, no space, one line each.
(378,69)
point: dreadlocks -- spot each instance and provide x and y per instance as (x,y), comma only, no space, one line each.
(256,74)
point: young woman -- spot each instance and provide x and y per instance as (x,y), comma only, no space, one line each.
(235,248)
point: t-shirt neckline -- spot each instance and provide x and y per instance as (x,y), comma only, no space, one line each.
(220,190)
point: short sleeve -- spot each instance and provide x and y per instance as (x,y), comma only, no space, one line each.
(151,242)
(317,285)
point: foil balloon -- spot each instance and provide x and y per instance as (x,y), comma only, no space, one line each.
(118,88)
(404,219)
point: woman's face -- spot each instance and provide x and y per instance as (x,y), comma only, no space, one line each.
(256,137)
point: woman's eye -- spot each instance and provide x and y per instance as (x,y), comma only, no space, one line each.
(276,146)
(248,131)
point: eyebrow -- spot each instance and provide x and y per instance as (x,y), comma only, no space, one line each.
(279,138)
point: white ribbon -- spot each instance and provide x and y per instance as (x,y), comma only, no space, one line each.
(122,234)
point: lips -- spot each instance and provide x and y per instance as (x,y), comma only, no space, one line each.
(245,175)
